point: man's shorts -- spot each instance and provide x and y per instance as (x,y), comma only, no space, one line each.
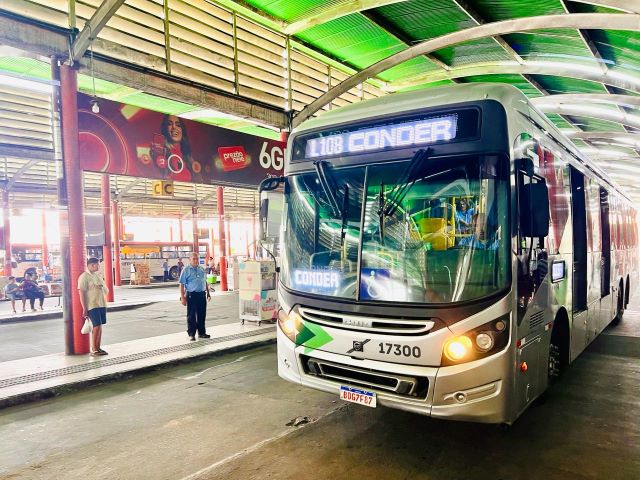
(98,316)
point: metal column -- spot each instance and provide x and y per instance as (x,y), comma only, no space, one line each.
(115,212)
(75,211)
(106,248)
(254,237)
(212,244)
(194,225)
(45,249)
(6,217)
(223,243)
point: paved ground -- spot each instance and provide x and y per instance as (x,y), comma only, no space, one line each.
(227,419)
(42,337)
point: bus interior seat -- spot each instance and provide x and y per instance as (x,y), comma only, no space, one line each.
(434,230)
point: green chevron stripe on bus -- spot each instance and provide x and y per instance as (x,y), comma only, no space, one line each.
(312,337)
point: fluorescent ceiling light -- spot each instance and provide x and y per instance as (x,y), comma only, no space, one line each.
(211,113)
(25,83)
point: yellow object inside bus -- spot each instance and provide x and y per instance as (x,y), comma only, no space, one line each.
(139,249)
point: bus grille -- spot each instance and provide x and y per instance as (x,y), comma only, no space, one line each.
(407,386)
(389,326)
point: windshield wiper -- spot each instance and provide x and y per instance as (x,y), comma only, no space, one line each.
(381,204)
(328,186)
(408,178)
(345,214)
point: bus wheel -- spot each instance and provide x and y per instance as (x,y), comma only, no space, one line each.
(173,273)
(620,308)
(558,349)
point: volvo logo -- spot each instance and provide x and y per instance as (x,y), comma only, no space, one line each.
(358,345)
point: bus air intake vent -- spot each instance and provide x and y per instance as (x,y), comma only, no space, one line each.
(406,386)
(389,326)
(536,320)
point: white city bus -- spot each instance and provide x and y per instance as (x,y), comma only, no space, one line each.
(394,293)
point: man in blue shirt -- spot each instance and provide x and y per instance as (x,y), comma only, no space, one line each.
(193,288)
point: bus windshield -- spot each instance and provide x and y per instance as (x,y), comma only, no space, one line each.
(419,230)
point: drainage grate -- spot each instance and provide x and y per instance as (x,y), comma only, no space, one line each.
(35,377)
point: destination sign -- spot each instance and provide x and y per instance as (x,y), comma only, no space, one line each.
(397,135)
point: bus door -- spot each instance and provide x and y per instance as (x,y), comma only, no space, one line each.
(605,262)
(579,224)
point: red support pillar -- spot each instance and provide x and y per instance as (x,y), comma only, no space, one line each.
(75,198)
(194,225)
(171,231)
(115,212)
(212,244)
(228,233)
(106,248)
(6,219)
(223,243)
(45,249)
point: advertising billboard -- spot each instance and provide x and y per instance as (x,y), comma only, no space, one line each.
(127,140)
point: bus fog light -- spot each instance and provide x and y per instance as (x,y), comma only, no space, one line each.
(484,342)
(457,348)
(460,397)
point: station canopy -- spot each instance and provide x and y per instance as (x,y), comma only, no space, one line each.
(259,65)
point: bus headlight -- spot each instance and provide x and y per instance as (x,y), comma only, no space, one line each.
(290,324)
(478,343)
(457,348)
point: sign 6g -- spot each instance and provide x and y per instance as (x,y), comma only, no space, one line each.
(271,158)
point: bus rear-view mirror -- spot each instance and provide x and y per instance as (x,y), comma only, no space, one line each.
(534,210)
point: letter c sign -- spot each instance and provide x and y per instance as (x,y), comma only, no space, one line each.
(162,188)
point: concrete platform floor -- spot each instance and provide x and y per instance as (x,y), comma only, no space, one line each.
(32,364)
(229,418)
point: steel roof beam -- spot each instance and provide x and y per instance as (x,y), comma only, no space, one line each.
(615,79)
(630,101)
(622,118)
(92,28)
(608,21)
(623,137)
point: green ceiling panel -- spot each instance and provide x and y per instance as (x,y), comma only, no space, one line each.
(353,39)
(556,85)
(496,10)
(595,125)
(538,46)
(29,67)
(485,50)
(559,122)
(408,69)
(516,80)
(425,19)
(579,7)
(620,48)
(426,85)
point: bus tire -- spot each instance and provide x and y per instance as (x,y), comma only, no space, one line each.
(558,347)
(626,294)
(173,273)
(620,306)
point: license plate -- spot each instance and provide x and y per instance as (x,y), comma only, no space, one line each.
(355,395)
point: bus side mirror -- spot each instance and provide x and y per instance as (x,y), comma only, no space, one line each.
(534,210)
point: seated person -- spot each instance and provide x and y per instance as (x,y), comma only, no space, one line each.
(478,238)
(464,216)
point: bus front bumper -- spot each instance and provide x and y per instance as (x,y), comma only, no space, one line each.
(474,391)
